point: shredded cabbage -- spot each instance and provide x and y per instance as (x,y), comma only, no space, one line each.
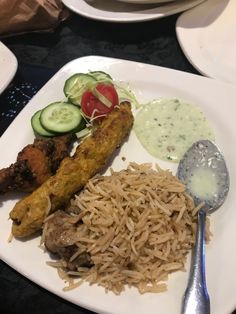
(126,94)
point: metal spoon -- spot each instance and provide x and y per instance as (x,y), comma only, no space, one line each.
(203,170)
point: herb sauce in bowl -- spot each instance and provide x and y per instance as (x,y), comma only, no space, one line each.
(168,127)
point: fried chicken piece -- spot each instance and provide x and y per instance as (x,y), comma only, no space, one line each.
(35,164)
(74,172)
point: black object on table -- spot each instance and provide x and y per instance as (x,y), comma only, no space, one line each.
(39,57)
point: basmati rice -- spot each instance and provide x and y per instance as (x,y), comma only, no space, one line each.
(138,226)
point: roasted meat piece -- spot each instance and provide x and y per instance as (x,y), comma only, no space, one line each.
(60,238)
(35,164)
(74,172)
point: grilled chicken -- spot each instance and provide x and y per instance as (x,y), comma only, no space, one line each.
(74,172)
(35,164)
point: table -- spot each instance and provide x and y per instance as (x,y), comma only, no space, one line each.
(39,57)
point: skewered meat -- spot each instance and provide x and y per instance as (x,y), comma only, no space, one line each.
(35,164)
(74,172)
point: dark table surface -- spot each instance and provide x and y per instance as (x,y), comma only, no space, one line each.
(39,57)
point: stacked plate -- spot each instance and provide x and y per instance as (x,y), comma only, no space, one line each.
(121,11)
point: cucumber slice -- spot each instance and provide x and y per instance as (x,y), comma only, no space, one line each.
(101,76)
(60,117)
(76,85)
(80,127)
(37,126)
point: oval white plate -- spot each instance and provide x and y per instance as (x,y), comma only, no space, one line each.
(217,101)
(115,11)
(8,66)
(207,35)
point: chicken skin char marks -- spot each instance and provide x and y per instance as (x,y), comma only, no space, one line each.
(90,157)
(35,164)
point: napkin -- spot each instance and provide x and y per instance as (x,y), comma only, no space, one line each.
(22,16)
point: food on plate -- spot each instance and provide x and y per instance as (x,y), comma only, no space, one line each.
(168,127)
(57,118)
(90,97)
(90,157)
(35,164)
(78,83)
(99,101)
(130,228)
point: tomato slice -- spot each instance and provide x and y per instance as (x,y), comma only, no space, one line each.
(93,107)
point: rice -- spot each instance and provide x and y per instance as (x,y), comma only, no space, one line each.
(138,226)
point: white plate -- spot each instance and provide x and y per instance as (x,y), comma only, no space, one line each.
(115,11)
(207,35)
(145,1)
(8,66)
(217,100)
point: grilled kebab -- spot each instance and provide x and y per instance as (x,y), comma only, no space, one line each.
(90,157)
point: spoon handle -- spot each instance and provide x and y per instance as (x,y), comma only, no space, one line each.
(196,299)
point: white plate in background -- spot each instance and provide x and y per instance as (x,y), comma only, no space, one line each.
(207,35)
(8,66)
(217,101)
(115,11)
(146,1)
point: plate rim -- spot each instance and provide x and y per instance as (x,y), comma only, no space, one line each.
(13,68)
(143,18)
(146,2)
(183,34)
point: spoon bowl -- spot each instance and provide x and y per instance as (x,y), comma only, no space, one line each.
(204,172)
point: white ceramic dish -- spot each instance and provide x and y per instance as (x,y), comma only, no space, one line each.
(8,66)
(145,1)
(147,81)
(207,35)
(115,11)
